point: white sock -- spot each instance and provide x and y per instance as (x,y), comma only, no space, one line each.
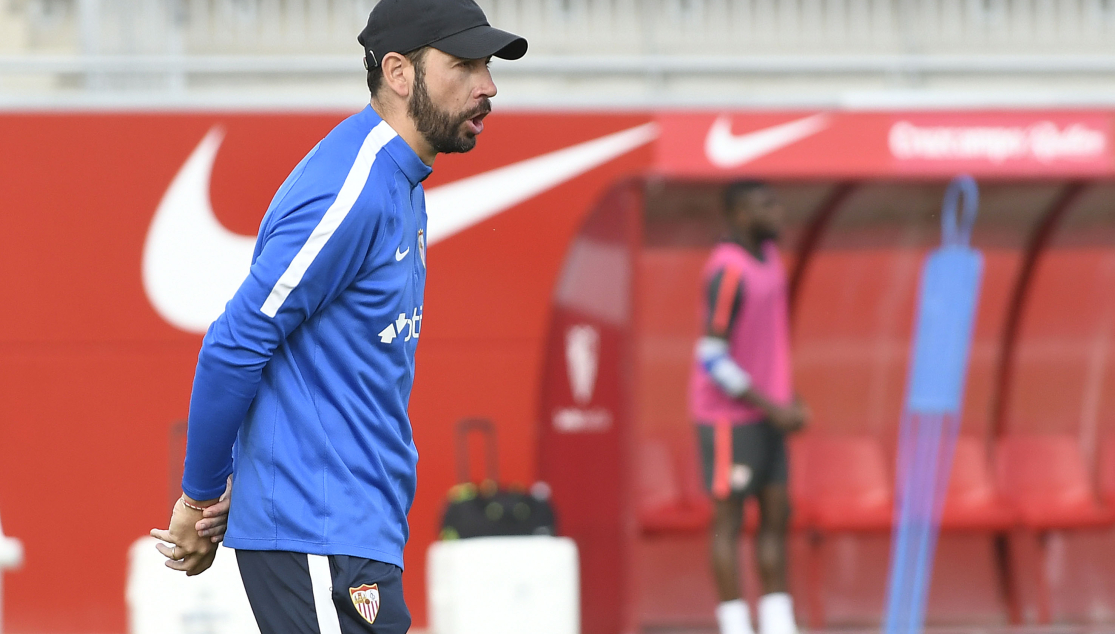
(776,614)
(734,617)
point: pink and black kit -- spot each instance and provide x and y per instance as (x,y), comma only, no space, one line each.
(746,311)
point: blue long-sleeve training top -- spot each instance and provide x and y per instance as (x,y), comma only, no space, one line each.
(305,378)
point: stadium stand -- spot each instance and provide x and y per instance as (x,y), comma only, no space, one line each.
(609,52)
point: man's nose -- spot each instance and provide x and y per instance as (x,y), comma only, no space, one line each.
(487,87)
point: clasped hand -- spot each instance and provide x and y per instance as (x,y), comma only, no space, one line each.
(791,418)
(193,535)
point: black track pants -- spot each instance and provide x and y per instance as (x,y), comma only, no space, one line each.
(296,593)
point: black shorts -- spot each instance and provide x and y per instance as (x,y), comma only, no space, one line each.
(296,593)
(741,460)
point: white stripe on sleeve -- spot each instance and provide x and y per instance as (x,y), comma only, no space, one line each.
(346,198)
(322,581)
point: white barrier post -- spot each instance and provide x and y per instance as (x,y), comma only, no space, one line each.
(504,585)
(11,556)
(165,601)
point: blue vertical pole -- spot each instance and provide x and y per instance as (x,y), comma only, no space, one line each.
(897,588)
(930,423)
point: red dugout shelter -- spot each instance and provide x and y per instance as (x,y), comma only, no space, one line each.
(562,304)
(863,190)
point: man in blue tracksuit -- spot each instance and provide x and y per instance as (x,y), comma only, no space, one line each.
(302,385)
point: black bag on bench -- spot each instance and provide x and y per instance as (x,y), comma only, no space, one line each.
(488,510)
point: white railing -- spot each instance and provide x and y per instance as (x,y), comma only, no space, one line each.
(584,27)
(647,49)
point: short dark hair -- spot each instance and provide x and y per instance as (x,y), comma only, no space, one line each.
(739,189)
(375,73)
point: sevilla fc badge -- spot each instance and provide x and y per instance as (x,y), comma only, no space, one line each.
(366,600)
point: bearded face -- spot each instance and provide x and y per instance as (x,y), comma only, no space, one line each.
(445,131)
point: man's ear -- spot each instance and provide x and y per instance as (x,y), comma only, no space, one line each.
(397,74)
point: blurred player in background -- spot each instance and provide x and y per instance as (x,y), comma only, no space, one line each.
(741,397)
(306,377)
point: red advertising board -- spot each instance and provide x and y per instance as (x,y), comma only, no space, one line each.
(885,144)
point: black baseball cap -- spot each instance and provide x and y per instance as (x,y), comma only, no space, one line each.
(457,27)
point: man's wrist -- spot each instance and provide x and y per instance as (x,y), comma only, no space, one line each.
(753,398)
(197,505)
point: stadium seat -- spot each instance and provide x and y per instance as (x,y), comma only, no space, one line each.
(838,484)
(841,483)
(1044,477)
(672,498)
(973,502)
(669,498)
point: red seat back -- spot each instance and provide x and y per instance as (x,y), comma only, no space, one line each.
(971,482)
(841,482)
(1044,476)
(1045,468)
(669,497)
(973,501)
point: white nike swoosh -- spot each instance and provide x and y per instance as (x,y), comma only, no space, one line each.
(454,207)
(726,150)
(399,255)
(192,265)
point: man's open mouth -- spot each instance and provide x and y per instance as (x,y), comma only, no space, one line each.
(476,123)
